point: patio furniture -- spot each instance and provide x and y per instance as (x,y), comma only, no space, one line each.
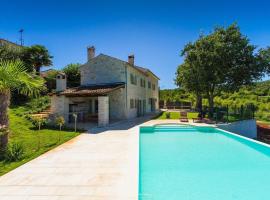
(197,120)
(207,121)
(183,117)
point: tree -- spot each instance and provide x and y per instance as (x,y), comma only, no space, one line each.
(13,75)
(221,61)
(73,74)
(188,78)
(50,79)
(36,56)
(264,59)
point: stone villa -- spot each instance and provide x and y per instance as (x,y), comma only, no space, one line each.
(111,89)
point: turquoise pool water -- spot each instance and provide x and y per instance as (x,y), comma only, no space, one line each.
(188,163)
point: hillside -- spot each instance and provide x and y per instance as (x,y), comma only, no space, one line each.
(258,94)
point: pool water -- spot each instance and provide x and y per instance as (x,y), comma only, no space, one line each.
(189,163)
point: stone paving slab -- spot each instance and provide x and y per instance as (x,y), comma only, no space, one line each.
(99,166)
(90,166)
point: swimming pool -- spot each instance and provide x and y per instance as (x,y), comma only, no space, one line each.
(201,163)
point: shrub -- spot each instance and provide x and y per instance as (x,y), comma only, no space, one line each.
(60,121)
(168,115)
(3,142)
(14,152)
(38,122)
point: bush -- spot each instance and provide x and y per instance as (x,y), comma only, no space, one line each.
(168,115)
(39,122)
(3,142)
(14,152)
(60,121)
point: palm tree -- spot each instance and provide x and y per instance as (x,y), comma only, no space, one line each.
(37,56)
(13,75)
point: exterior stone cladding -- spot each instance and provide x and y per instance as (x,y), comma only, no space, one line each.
(131,101)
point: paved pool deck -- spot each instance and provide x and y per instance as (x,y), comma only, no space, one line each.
(98,166)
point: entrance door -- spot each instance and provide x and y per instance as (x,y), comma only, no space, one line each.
(144,107)
(139,108)
(153,104)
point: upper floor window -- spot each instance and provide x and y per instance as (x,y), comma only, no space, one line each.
(153,86)
(133,79)
(149,85)
(142,83)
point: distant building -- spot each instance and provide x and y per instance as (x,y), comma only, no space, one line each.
(45,73)
(111,89)
(6,42)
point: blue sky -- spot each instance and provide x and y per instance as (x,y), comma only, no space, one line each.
(155,31)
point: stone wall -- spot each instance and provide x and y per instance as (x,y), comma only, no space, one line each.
(117,104)
(140,93)
(103,111)
(105,69)
(59,106)
(102,69)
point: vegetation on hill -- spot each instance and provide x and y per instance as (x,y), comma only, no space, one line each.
(30,141)
(24,134)
(13,75)
(33,57)
(257,94)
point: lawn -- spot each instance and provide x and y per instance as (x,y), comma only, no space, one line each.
(22,131)
(176,115)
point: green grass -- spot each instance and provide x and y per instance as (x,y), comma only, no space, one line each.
(22,131)
(176,115)
(263,122)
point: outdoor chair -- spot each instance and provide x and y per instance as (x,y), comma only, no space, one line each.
(183,117)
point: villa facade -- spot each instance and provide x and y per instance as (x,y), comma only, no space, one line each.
(111,89)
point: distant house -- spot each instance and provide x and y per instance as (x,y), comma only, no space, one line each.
(6,42)
(111,89)
(45,73)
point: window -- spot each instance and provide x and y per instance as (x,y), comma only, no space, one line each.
(149,85)
(131,103)
(142,83)
(133,79)
(136,103)
(153,86)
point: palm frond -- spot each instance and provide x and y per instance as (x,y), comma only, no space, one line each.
(13,75)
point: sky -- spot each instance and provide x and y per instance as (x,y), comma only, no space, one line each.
(154,31)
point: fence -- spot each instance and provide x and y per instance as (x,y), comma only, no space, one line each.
(231,113)
(177,105)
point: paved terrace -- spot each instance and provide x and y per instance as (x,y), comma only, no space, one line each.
(90,166)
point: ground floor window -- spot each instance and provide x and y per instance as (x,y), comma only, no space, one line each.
(132,104)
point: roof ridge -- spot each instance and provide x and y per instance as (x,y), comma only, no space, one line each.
(134,66)
(139,68)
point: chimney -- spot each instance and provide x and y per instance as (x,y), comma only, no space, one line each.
(131,59)
(90,52)
(61,82)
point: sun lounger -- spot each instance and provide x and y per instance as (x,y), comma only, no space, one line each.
(207,121)
(197,120)
(183,117)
